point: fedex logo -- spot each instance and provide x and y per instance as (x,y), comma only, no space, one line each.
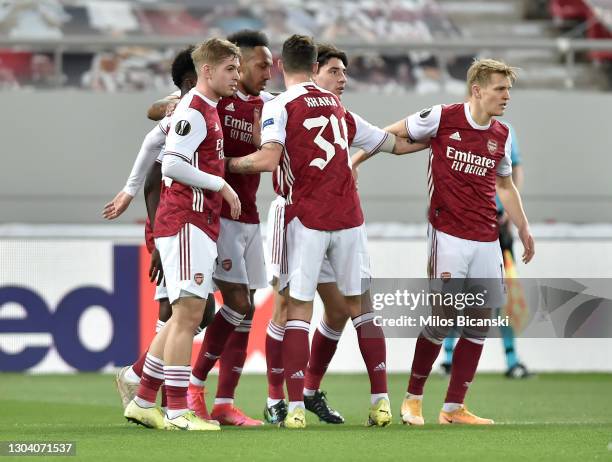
(52,329)
(62,323)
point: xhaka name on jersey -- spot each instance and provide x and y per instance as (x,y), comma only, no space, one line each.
(320,101)
(240,129)
(468,162)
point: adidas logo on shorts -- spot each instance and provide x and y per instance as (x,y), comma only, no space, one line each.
(298,375)
(380,367)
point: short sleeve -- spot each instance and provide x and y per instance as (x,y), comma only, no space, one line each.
(504,168)
(273,123)
(424,125)
(164,124)
(367,136)
(187,131)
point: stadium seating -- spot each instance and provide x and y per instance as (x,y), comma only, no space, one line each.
(133,69)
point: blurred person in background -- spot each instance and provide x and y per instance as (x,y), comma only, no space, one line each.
(104,74)
(43,72)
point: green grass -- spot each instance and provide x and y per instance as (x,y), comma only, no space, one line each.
(552,416)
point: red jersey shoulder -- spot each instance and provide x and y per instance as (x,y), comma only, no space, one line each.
(499,128)
(204,108)
(453,113)
(233,103)
(351,127)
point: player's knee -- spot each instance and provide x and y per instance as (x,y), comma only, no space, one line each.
(475,334)
(240,305)
(336,319)
(237,298)
(353,306)
(251,312)
(279,316)
(165,310)
(436,334)
(188,314)
(209,312)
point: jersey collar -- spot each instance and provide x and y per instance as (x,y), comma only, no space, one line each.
(205,98)
(242,96)
(471,121)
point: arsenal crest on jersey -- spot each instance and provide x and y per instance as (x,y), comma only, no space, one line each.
(198,278)
(492,146)
(226,264)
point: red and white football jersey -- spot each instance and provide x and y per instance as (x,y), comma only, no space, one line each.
(315,169)
(195,136)
(464,160)
(236,115)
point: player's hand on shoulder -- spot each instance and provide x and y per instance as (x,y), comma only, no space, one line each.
(528,244)
(117,206)
(230,196)
(170,107)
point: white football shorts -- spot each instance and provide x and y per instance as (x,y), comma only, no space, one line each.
(461,265)
(306,250)
(275,245)
(188,259)
(241,254)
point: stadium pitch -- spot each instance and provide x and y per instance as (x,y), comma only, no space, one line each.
(551,416)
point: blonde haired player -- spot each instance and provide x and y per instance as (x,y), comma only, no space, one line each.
(469,161)
(186,228)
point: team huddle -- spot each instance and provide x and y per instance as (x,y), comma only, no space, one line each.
(200,169)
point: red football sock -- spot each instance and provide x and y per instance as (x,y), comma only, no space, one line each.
(425,353)
(164,396)
(215,338)
(324,344)
(373,350)
(176,383)
(151,379)
(274,361)
(232,360)
(295,357)
(139,364)
(465,362)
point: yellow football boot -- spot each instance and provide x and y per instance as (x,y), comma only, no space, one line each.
(295,419)
(150,417)
(190,421)
(380,414)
